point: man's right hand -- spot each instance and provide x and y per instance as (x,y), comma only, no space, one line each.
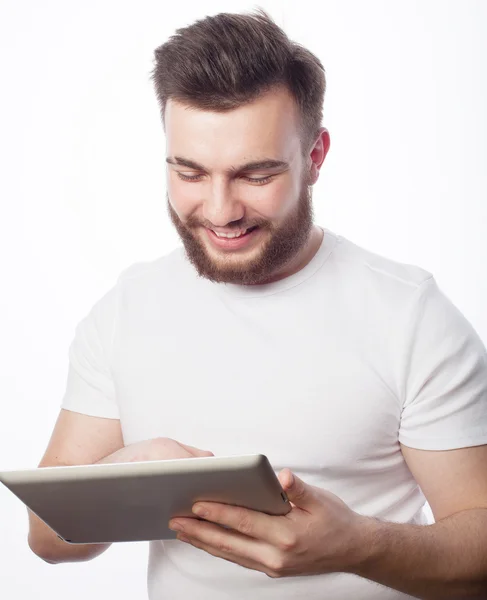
(45,542)
(161,448)
(80,439)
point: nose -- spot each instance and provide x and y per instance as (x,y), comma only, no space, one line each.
(220,206)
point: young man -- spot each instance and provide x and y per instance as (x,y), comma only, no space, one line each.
(265,333)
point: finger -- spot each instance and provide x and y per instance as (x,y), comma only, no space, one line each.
(228,544)
(166,449)
(196,451)
(225,555)
(299,493)
(275,530)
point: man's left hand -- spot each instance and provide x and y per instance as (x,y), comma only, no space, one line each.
(320,534)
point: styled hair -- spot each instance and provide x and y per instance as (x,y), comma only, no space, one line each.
(227,60)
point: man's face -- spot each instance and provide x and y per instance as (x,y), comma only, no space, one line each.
(224,200)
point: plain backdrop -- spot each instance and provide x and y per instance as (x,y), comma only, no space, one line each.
(82,189)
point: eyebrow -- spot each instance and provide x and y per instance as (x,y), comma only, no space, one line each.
(265,163)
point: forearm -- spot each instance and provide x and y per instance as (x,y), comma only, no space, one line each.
(44,542)
(445,560)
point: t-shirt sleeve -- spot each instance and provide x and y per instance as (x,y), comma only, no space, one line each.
(90,386)
(445,376)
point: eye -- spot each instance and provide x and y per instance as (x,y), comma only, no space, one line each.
(259,181)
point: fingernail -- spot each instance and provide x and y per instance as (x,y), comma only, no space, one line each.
(175,526)
(200,511)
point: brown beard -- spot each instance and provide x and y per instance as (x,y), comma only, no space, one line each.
(280,248)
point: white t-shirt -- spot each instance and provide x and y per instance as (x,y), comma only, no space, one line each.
(324,372)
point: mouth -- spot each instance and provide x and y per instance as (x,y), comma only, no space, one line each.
(233,243)
(233,235)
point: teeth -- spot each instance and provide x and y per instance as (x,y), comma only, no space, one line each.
(230,235)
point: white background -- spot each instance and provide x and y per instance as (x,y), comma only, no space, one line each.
(82,188)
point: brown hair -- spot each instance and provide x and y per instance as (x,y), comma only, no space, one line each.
(224,61)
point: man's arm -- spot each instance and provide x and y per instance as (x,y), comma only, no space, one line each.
(445,560)
(77,439)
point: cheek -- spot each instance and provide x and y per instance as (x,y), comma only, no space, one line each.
(184,198)
(279,200)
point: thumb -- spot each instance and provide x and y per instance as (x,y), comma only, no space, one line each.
(297,491)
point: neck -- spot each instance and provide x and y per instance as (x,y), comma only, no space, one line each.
(302,259)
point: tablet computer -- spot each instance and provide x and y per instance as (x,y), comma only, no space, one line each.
(127,502)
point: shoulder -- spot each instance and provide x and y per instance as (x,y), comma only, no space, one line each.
(166,279)
(169,274)
(370,269)
(171,264)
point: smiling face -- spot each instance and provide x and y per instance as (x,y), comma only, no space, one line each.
(210,189)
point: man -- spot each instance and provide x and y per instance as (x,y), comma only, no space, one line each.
(361,382)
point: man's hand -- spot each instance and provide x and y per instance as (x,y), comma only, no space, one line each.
(155,449)
(320,534)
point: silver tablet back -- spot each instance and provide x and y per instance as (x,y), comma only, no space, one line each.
(135,501)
